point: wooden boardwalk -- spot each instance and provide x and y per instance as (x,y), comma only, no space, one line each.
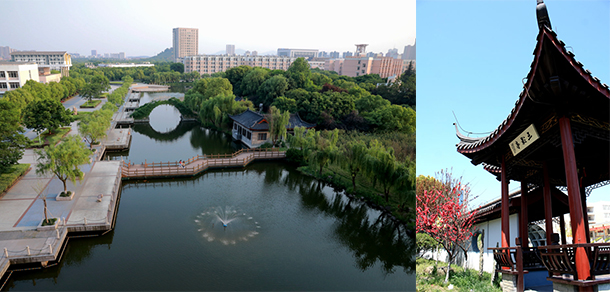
(197,164)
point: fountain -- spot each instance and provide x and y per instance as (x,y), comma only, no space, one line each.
(226,225)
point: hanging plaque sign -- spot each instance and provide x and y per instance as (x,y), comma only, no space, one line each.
(525,139)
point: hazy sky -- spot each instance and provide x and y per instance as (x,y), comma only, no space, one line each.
(471,59)
(145,27)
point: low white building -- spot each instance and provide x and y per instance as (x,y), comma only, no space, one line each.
(14,75)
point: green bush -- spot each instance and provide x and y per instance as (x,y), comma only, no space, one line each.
(295,156)
(9,178)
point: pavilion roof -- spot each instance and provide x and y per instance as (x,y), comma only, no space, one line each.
(255,121)
(556,84)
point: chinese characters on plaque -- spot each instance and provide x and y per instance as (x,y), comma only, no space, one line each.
(525,139)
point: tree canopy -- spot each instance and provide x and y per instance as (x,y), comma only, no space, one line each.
(12,140)
(63,160)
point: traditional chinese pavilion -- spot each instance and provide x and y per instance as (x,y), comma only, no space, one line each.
(556,142)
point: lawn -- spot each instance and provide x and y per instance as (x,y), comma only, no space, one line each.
(49,139)
(90,104)
(465,280)
(8,178)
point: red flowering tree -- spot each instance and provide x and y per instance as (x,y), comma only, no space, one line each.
(442,212)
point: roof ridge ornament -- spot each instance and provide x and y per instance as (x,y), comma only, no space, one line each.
(542,15)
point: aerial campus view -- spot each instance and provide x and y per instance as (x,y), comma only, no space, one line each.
(144,148)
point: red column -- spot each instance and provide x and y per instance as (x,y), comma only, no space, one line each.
(505,213)
(574,199)
(548,208)
(523,221)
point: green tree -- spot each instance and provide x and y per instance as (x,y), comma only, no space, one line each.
(253,80)
(353,159)
(178,67)
(323,148)
(299,75)
(277,123)
(46,114)
(37,89)
(236,76)
(271,89)
(93,127)
(382,166)
(95,87)
(63,160)
(19,97)
(285,104)
(12,140)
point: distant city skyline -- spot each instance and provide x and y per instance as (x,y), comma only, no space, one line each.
(142,28)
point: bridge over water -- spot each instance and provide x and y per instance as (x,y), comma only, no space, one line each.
(197,164)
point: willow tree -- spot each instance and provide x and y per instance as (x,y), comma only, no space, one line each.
(323,148)
(353,159)
(382,166)
(63,160)
(277,123)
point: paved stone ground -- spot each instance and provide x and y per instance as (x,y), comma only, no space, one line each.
(22,209)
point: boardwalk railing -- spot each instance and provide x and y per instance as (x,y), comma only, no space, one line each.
(197,164)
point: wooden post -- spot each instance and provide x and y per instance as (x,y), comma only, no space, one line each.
(523,222)
(576,216)
(562,227)
(520,274)
(504,211)
(548,208)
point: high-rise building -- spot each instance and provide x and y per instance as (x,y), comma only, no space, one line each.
(230,50)
(93,53)
(334,55)
(347,54)
(185,42)
(392,53)
(5,53)
(122,55)
(409,52)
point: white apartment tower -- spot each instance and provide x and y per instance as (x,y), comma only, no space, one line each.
(185,42)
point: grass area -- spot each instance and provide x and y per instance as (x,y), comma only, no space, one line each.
(90,104)
(81,115)
(103,95)
(463,280)
(10,177)
(48,139)
(116,82)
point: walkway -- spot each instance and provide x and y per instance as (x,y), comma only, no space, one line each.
(197,164)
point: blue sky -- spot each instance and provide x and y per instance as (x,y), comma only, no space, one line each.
(471,59)
(144,27)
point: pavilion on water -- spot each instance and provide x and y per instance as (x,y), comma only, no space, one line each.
(556,142)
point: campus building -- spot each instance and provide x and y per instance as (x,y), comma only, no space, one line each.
(362,65)
(54,60)
(14,75)
(297,53)
(252,128)
(185,42)
(209,64)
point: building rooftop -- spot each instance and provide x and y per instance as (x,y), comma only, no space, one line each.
(255,121)
(16,63)
(39,52)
